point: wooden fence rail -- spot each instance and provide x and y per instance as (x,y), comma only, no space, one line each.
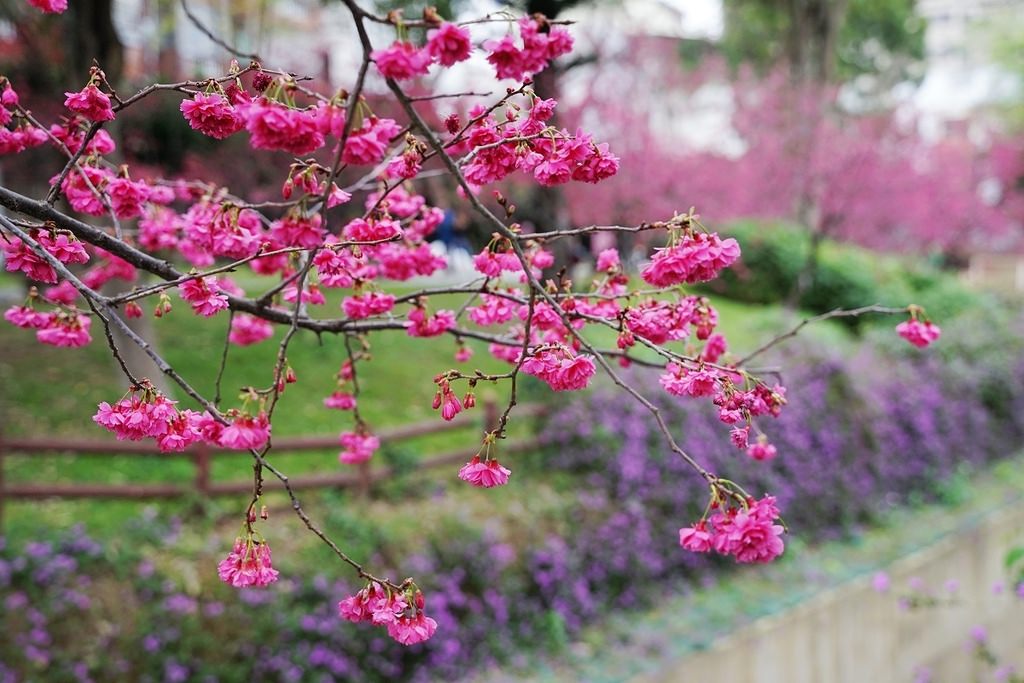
(201,455)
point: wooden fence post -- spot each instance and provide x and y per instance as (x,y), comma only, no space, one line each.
(363,488)
(491,414)
(1,485)
(201,458)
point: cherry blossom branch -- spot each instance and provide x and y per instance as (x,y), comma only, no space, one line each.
(837,313)
(214,37)
(167,369)
(503,230)
(223,359)
(89,295)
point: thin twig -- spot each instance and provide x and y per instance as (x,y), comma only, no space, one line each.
(252,56)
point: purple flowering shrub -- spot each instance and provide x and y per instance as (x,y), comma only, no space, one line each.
(866,429)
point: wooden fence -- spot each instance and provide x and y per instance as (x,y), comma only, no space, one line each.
(360,477)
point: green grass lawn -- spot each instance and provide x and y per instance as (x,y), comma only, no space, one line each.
(49,391)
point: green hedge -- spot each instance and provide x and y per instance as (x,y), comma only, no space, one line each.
(775,254)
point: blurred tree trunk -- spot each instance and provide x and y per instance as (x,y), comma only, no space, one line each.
(92,36)
(168,60)
(811,55)
(811,39)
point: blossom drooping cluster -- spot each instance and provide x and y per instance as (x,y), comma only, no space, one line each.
(539,44)
(212,115)
(749,532)
(23,134)
(918,332)
(247,329)
(357,447)
(447,401)
(204,295)
(145,412)
(399,611)
(552,157)
(694,257)
(560,368)
(90,102)
(19,257)
(486,473)
(248,565)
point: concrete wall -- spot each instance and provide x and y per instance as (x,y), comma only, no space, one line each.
(853,634)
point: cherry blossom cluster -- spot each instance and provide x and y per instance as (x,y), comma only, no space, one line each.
(352,217)
(16,132)
(691,257)
(919,331)
(60,327)
(248,564)
(144,412)
(399,609)
(526,143)
(748,532)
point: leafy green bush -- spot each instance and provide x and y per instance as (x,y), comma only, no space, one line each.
(773,255)
(776,254)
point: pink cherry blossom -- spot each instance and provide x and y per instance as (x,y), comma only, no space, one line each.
(127,197)
(64,293)
(66,329)
(485,474)
(919,333)
(420,325)
(137,416)
(65,247)
(695,538)
(448,402)
(681,381)
(204,295)
(493,311)
(714,349)
(357,447)
(657,321)
(339,400)
(372,230)
(449,44)
(246,432)
(90,103)
(740,436)
(274,126)
(18,256)
(695,258)
(401,61)
(248,565)
(560,368)
(212,115)
(366,305)
(608,260)
(82,187)
(761,450)
(411,630)
(247,329)
(27,318)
